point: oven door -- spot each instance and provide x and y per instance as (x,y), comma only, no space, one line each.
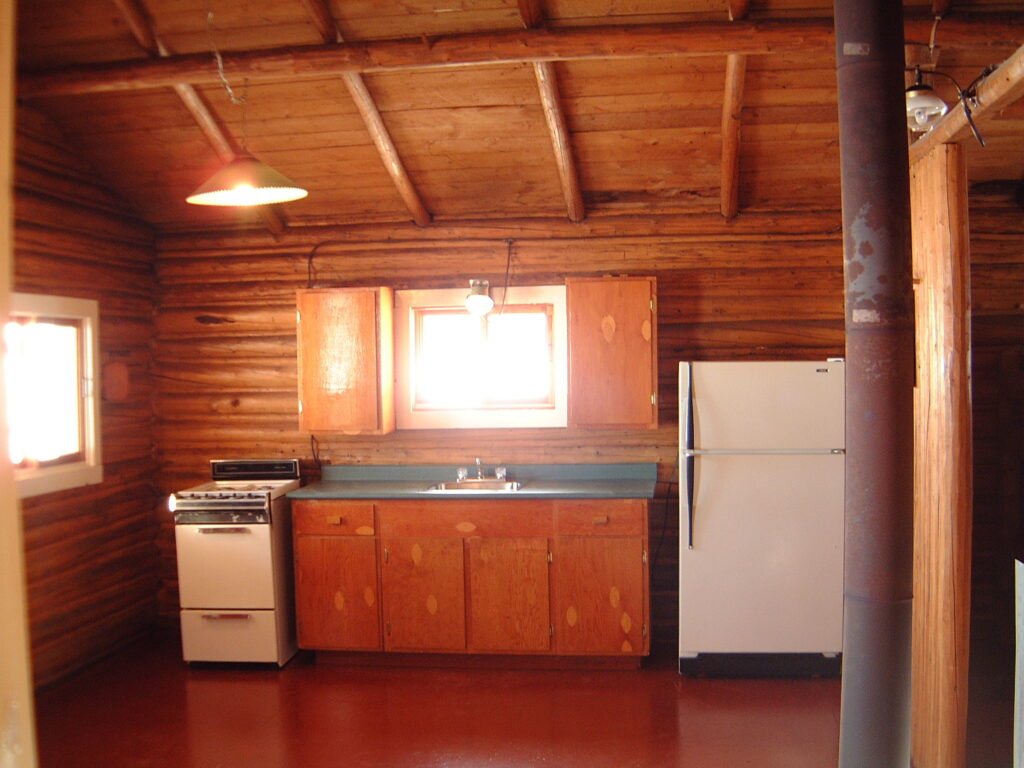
(225,566)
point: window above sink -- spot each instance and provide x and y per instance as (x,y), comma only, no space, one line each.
(457,370)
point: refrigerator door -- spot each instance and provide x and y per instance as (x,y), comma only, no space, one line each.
(765,572)
(777,406)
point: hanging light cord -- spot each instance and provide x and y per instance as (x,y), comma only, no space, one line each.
(508,267)
(969,96)
(239,101)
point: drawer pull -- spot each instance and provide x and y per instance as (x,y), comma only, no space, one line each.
(601,520)
(231,616)
(223,529)
(336,520)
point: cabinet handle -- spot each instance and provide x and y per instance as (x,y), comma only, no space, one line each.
(223,529)
(232,616)
(336,520)
(601,520)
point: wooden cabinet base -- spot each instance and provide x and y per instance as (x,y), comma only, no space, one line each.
(476,660)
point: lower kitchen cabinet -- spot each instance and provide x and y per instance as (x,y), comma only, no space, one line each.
(337,603)
(469,576)
(424,594)
(509,610)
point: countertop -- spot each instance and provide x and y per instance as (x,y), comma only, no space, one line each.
(539,481)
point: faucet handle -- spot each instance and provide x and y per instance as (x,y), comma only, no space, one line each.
(461,473)
(500,472)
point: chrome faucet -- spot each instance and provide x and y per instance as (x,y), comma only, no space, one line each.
(479,469)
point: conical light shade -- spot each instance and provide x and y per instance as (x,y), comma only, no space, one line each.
(246,181)
(924,107)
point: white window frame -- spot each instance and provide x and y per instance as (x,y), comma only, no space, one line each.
(35,481)
(407,417)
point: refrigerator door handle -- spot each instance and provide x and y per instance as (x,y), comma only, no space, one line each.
(689,456)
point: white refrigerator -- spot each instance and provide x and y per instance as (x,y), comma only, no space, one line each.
(761,510)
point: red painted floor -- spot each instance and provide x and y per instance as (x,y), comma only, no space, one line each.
(144,707)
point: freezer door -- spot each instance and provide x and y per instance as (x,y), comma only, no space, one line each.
(762,405)
(765,573)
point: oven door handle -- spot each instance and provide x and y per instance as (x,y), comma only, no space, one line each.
(225,529)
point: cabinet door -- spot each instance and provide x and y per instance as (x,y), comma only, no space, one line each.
(336,592)
(600,604)
(508,588)
(613,372)
(424,594)
(345,360)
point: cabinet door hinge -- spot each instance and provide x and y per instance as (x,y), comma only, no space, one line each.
(645,557)
(387,628)
(551,630)
(551,557)
(645,630)
(651,303)
(654,399)
(298,318)
(387,555)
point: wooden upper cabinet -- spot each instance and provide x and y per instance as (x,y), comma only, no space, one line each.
(613,371)
(345,352)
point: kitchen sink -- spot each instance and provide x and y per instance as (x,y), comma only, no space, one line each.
(498,486)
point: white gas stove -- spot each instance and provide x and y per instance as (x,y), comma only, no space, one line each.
(233,538)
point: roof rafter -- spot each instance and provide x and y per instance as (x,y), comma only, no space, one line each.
(142,29)
(368,111)
(732,110)
(532,14)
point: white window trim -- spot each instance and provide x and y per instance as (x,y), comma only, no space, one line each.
(408,418)
(35,481)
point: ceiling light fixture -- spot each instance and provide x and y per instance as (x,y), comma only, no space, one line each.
(245,181)
(479,301)
(924,107)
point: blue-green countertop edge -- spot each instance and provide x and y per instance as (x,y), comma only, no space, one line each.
(540,481)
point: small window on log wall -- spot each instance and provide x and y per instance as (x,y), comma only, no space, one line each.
(50,370)
(457,370)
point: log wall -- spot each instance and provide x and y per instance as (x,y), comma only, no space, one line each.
(90,552)
(761,287)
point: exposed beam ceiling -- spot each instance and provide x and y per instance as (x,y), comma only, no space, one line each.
(325,23)
(997,91)
(513,46)
(142,30)
(532,14)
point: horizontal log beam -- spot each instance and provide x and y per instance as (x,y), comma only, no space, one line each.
(994,93)
(513,46)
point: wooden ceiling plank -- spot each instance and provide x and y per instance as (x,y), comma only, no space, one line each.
(142,29)
(326,25)
(532,14)
(732,110)
(996,92)
(738,9)
(560,140)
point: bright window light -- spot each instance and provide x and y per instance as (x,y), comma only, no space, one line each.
(501,360)
(50,364)
(459,370)
(43,373)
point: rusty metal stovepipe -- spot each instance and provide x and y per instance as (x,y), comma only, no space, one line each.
(875,714)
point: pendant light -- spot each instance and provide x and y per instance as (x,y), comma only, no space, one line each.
(924,107)
(479,301)
(245,181)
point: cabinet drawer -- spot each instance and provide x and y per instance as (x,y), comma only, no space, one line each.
(328,517)
(466,518)
(617,517)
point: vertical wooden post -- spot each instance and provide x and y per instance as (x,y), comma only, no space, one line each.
(942,459)
(17,724)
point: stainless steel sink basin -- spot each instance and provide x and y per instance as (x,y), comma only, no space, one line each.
(497,486)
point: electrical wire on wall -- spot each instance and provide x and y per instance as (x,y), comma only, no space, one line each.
(508,266)
(310,270)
